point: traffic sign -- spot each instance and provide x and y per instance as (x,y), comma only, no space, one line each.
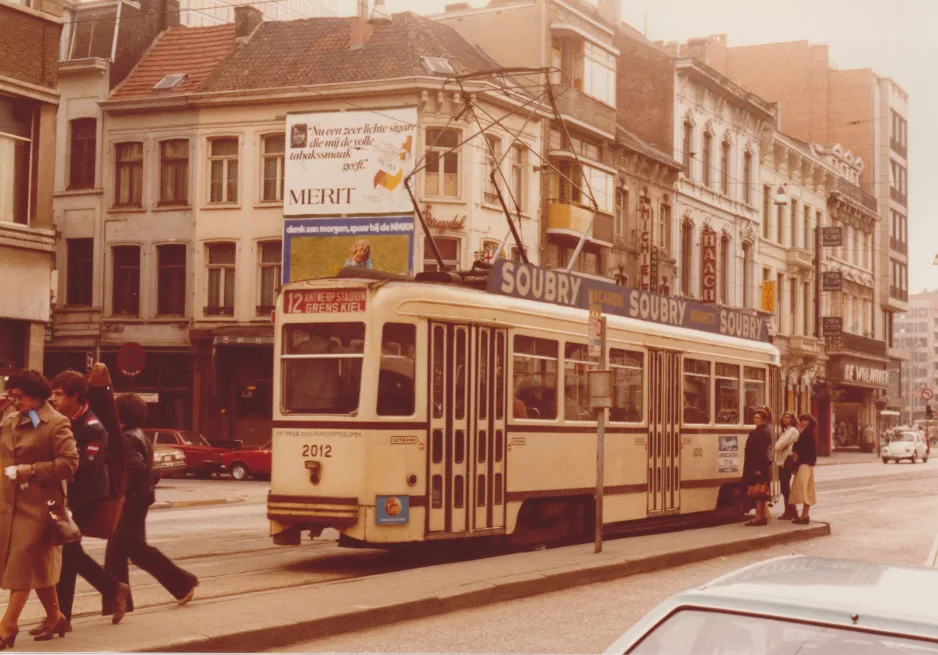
(927,394)
(131,358)
(595,332)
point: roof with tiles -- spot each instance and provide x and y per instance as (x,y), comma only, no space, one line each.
(196,52)
(317,51)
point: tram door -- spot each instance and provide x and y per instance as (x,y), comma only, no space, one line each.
(467,437)
(776,403)
(664,431)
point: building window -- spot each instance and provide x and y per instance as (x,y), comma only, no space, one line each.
(599,73)
(664,228)
(687,256)
(80,263)
(449,251)
(687,146)
(805,299)
(174,172)
(221,279)
(519,165)
(766,196)
(493,155)
(441,175)
(271,254)
(171,280)
(724,271)
(707,158)
(793,223)
(620,226)
(779,223)
(223,164)
(273,168)
(725,168)
(125,285)
(747,178)
(129,174)
(84,146)
(747,275)
(793,304)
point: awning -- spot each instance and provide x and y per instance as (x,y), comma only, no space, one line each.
(889,412)
(244,340)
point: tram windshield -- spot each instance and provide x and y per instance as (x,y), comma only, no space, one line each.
(322,367)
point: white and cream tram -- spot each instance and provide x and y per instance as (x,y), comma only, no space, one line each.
(408,411)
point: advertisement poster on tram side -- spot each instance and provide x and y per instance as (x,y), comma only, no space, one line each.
(349,162)
(320,247)
(728,455)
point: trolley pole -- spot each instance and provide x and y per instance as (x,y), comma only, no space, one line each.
(600,398)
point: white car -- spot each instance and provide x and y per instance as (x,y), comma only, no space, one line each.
(906,445)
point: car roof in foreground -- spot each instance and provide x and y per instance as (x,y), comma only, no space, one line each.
(883,598)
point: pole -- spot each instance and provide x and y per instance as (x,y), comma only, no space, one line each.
(817,281)
(600,446)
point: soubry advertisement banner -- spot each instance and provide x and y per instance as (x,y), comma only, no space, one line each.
(320,247)
(531,282)
(349,162)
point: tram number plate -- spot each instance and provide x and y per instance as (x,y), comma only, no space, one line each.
(317,450)
(324,301)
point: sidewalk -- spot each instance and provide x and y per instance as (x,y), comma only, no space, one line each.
(273,619)
(172,492)
(848,457)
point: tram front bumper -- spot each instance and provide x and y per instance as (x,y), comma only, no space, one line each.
(292,512)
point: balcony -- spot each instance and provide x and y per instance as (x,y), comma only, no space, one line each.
(860,344)
(898,196)
(573,220)
(899,294)
(803,346)
(799,260)
(898,246)
(898,147)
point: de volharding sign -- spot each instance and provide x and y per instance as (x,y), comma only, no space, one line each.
(531,282)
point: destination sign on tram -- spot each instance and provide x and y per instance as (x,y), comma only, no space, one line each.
(324,301)
(531,282)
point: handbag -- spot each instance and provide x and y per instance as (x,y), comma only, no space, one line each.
(102,522)
(790,463)
(63,529)
(758,491)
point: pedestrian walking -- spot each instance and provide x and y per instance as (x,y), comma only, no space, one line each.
(783,460)
(804,455)
(38,455)
(89,488)
(757,467)
(130,540)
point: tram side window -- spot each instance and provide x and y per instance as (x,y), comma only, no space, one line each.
(535,378)
(576,365)
(322,367)
(727,393)
(627,371)
(396,378)
(696,391)
(754,390)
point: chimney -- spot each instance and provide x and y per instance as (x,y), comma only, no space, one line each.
(456,6)
(360,30)
(610,11)
(379,14)
(362,11)
(247,19)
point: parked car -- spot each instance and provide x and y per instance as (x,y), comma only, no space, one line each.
(795,605)
(201,458)
(253,463)
(909,445)
(168,461)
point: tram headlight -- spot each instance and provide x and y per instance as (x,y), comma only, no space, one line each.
(315,471)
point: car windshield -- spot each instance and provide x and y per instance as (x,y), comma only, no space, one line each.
(266,446)
(194,438)
(720,633)
(906,436)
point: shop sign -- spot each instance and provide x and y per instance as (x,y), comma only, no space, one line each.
(791,399)
(832,237)
(768,296)
(866,375)
(708,265)
(324,301)
(645,246)
(832,326)
(456,223)
(832,281)
(654,270)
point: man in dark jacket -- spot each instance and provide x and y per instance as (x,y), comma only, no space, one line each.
(130,540)
(90,487)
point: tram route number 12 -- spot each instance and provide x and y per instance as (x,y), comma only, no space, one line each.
(316,450)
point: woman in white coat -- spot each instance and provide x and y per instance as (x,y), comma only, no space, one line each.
(783,448)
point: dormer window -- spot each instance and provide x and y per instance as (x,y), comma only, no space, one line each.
(169,82)
(438,65)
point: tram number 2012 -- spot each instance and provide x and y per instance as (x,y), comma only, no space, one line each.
(698,452)
(316,450)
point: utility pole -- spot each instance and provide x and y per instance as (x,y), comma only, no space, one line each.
(600,398)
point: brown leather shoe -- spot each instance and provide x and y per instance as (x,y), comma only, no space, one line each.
(120,602)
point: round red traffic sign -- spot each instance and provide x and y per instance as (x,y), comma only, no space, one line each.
(927,394)
(131,358)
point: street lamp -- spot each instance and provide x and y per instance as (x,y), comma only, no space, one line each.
(781,198)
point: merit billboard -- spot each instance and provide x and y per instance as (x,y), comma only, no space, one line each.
(349,162)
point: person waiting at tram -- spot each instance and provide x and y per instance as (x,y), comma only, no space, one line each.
(783,459)
(804,455)
(757,467)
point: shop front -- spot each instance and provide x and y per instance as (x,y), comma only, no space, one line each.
(855,385)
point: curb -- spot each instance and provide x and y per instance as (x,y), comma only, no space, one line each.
(473,595)
(172,504)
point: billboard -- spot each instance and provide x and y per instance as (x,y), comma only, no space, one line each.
(349,162)
(320,247)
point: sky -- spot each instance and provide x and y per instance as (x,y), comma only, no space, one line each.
(893,37)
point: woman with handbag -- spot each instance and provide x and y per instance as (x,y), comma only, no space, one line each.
(804,455)
(757,467)
(38,454)
(783,448)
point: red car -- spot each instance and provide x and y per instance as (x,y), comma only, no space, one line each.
(202,458)
(244,463)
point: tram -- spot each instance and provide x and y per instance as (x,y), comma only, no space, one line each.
(408,410)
